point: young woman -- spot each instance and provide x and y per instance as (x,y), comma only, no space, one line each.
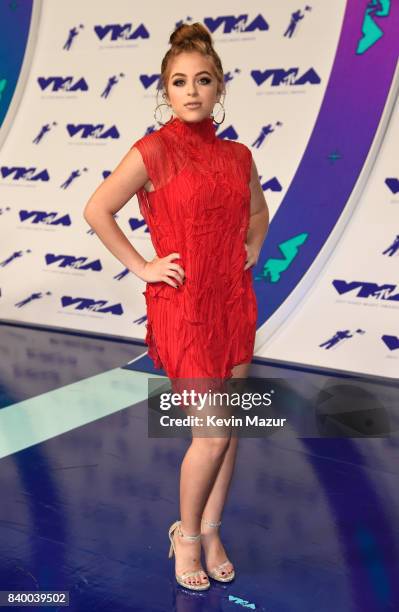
(204,206)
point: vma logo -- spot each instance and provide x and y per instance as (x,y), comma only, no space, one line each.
(89,130)
(21,173)
(371,31)
(366,290)
(70,261)
(392,184)
(392,342)
(147,80)
(83,303)
(47,218)
(121,31)
(230,23)
(277,77)
(58,83)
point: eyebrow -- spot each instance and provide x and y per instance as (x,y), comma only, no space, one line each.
(182,73)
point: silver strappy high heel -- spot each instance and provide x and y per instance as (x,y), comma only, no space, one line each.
(180,578)
(216,572)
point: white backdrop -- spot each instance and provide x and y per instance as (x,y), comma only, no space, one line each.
(55,272)
(358,292)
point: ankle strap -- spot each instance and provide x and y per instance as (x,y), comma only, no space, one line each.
(191,538)
(211,524)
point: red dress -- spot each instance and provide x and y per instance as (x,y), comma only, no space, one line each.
(200,209)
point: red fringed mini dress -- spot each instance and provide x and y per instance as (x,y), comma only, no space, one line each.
(200,209)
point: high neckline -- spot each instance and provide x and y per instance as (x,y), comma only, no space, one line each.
(195,132)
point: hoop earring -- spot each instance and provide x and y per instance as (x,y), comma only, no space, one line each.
(224,114)
(156,108)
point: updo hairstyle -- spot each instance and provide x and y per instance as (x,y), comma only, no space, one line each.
(191,37)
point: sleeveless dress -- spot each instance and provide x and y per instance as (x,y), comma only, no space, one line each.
(200,209)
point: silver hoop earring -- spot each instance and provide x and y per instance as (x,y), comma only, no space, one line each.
(156,108)
(224,114)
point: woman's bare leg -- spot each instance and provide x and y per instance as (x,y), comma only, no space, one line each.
(213,547)
(201,466)
(199,469)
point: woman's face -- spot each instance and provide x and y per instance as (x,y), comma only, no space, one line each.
(192,79)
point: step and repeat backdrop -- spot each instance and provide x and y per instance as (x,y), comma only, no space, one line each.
(311,89)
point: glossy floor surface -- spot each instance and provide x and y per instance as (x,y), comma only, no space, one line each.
(86,497)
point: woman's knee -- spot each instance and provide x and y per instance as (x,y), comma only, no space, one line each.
(212,446)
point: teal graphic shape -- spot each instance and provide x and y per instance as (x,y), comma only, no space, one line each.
(370,29)
(274,267)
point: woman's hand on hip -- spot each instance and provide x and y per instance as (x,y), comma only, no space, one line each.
(163,269)
(252,256)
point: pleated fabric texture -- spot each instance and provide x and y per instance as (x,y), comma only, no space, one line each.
(200,209)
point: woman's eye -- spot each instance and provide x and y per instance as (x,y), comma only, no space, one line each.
(206,79)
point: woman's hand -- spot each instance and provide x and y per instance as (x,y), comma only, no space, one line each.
(252,256)
(161,268)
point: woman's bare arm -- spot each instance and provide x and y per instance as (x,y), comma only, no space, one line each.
(109,197)
(258,221)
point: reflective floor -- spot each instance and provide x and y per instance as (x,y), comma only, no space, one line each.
(86,497)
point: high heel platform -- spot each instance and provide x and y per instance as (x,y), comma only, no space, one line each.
(180,578)
(216,572)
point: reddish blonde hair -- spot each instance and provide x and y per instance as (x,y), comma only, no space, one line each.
(194,37)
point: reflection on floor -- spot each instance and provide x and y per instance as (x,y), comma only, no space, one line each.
(87,497)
